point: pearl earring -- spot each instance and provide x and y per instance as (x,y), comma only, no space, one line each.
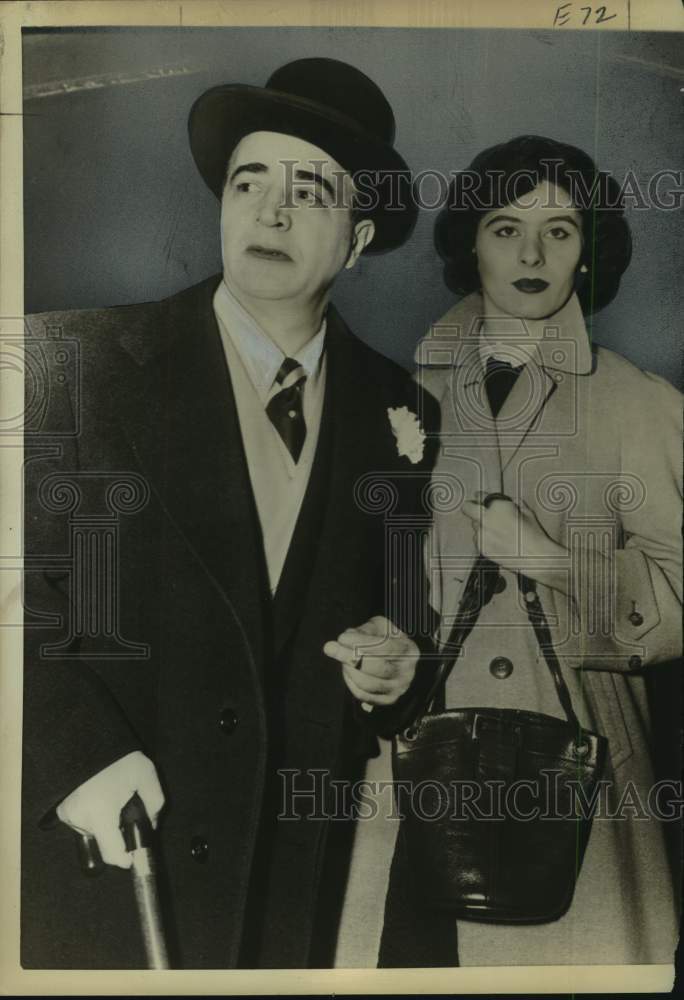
(584,269)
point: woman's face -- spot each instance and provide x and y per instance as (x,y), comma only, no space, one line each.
(527,253)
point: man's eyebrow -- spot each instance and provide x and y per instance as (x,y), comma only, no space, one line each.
(249,168)
(513,218)
(501,218)
(310,175)
(300,175)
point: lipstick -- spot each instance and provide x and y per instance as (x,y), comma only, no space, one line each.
(531,286)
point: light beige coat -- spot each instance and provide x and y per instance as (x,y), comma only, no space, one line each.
(593,446)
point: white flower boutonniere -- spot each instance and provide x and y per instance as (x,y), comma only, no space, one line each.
(408,432)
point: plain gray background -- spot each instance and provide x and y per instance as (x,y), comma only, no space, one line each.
(116,212)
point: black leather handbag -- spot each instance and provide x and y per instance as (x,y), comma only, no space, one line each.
(496,804)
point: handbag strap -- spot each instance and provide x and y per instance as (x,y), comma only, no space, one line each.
(478,591)
(537,619)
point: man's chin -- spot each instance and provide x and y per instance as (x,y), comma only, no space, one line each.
(262,294)
(261,290)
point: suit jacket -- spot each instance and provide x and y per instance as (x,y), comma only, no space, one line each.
(150,625)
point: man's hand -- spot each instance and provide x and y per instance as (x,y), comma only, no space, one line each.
(378,661)
(511,535)
(95,806)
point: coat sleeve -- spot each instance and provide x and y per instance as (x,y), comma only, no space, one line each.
(72,725)
(629,605)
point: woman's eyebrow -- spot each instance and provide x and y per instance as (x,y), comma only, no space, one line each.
(564,218)
(501,218)
(514,218)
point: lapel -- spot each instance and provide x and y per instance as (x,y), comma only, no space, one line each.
(522,410)
(332,471)
(469,440)
(181,421)
(331,572)
(469,430)
(301,555)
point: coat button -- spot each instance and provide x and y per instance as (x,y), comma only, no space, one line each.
(501,667)
(199,850)
(634,662)
(228,721)
(636,619)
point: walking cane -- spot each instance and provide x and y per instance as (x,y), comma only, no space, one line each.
(138,835)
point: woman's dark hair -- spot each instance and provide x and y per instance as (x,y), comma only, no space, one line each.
(502,173)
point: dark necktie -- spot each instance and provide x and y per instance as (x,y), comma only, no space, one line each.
(500,378)
(285,408)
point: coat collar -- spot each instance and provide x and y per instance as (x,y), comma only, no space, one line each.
(450,355)
(454,339)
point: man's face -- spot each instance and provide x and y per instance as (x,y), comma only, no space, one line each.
(528,251)
(286,223)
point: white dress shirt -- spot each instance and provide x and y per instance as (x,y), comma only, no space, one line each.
(278,482)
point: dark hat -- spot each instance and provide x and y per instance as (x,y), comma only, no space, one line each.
(329,104)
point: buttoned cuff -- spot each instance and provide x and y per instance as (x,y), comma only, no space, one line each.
(626,614)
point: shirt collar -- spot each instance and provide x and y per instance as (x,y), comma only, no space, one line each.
(260,356)
(457,336)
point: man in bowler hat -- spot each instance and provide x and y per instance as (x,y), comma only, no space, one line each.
(245,414)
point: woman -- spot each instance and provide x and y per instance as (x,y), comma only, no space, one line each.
(588,449)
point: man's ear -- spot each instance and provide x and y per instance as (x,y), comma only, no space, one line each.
(364,232)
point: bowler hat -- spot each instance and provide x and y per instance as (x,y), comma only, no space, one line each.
(329,104)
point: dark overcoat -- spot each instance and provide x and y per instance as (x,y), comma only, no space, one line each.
(150,626)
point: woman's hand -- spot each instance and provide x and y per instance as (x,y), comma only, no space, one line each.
(510,534)
(378,661)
